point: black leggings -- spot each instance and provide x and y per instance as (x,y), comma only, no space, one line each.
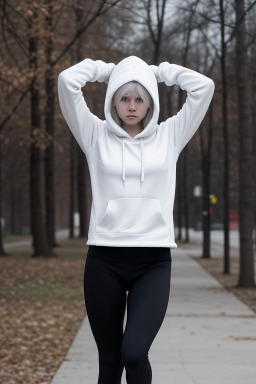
(109,272)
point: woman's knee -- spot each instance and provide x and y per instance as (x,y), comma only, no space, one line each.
(133,356)
(111,368)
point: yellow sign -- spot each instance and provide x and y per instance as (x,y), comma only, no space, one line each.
(213,199)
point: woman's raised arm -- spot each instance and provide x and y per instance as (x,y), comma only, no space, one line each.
(83,124)
(199,90)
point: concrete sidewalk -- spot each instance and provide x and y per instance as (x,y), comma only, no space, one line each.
(208,335)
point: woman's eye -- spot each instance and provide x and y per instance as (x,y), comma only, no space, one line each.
(140,100)
(124,98)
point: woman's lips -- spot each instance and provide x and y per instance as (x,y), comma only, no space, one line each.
(131,116)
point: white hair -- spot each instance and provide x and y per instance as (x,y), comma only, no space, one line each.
(126,90)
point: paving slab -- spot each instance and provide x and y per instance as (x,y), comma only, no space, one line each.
(208,335)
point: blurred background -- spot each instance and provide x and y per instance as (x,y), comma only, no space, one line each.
(44,179)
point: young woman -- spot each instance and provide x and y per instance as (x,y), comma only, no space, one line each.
(132,163)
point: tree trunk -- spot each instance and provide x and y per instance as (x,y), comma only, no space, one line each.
(246,276)
(184,185)
(82,191)
(49,127)
(206,172)
(206,213)
(180,174)
(187,36)
(49,160)
(179,198)
(81,174)
(185,193)
(156,35)
(226,143)
(72,179)
(2,251)
(38,228)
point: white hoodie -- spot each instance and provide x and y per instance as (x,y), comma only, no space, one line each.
(133,179)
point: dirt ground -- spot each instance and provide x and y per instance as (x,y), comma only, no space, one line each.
(230,281)
(42,306)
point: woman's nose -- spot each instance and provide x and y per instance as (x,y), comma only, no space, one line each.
(132,106)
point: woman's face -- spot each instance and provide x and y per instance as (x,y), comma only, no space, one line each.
(131,108)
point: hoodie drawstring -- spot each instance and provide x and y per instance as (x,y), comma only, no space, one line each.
(123,163)
(142,164)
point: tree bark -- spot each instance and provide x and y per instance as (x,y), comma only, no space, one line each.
(2,251)
(156,33)
(183,182)
(82,192)
(246,275)
(185,192)
(206,172)
(49,127)
(38,228)
(180,181)
(81,174)
(72,180)
(226,142)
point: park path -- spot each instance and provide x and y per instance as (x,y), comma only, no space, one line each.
(208,335)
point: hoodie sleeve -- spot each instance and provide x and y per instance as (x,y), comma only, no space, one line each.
(84,125)
(199,94)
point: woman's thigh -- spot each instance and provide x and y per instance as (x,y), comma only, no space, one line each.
(146,307)
(105,301)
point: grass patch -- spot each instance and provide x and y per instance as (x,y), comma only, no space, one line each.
(17,254)
(40,293)
(72,255)
(29,278)
(16,238)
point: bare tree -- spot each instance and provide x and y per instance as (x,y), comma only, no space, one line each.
(155,25)
(225,138)
(2,251)
(246,277)
(84,20)
(49,125)
(82,169)
(28,12)
(189,27)
(206,147)
(40,240)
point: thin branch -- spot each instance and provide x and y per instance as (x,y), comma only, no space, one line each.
(217,21)
(13,57)
(80,31)
(210,42)
(14,109)
(149,21)
(157,12)
(15,10)
(11,28)
(204,16)
(3,80)
(161,21)
(239,21)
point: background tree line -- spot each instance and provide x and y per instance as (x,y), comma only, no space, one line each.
(44,176)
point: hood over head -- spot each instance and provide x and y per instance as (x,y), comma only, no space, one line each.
(132,68)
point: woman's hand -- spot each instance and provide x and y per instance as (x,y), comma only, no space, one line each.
(102,70)
(111,67)
(155,71)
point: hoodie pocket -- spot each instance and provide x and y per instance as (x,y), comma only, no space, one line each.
(133,215)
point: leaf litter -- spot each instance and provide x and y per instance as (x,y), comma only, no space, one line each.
(41,309)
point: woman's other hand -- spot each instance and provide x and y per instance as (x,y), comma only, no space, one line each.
(155,71)
(102,71)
